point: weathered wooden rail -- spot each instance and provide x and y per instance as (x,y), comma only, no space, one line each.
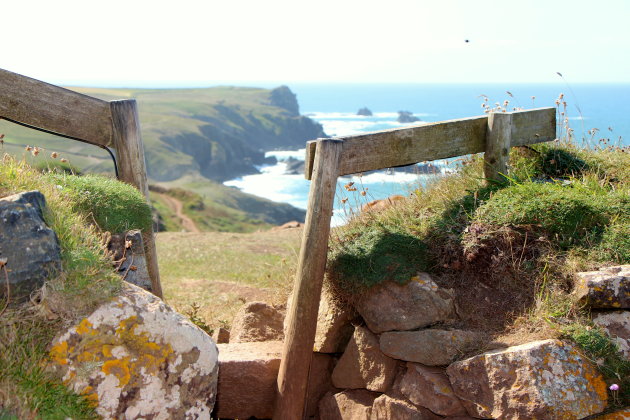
(69,114)
(327,159)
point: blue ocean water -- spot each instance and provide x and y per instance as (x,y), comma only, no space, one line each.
(603,106)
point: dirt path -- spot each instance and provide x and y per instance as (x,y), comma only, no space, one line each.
(177,206)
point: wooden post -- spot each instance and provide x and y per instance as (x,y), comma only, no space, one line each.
(498,142)
(300,334)
(132,170)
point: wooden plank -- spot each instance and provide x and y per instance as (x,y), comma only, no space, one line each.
(302,316)
(497,151)
(533,126)
(132,169)
(55,109)
(440,140)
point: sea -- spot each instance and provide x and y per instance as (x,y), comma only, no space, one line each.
(594,112)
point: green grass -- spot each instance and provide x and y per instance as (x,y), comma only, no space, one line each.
(220,271)
(87,279)
(115,206)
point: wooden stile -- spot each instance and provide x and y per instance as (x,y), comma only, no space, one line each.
(326,159)
(132,169)
(302,316)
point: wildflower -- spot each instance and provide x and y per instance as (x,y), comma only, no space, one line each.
(127,244)
(363,193)
(35,151)
(614,387)
(54,155)
(29,148)
(64,160)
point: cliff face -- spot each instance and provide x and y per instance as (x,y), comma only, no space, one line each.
(231,136)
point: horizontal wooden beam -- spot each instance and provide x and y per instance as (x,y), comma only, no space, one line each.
(51,108)
(440,140)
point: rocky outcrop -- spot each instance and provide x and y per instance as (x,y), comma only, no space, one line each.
(417,304)
(432,347)
(247,379)
(29,249)
(282,97)
(319,382)
(136,358)
(406,117)
(542,379)
(608,288)
(257,321)
(364,112)
(127,250)
(363,365)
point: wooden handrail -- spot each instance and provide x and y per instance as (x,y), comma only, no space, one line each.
(60,111)
(440,140)
(327,159)
(52,108)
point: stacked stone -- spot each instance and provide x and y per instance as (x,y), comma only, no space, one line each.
(402,362)
(607,293)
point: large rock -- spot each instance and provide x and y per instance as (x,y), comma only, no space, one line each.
(429,387)
(127,250)
(334,327)
(608,288)
(417,304)
(347,405)
(137,358)
(363,365)
(617,325)
(257,321)
(430,347)
(28,246)
(545,379)
(386,407)
(247,379)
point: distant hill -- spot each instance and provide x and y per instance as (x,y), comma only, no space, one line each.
(205,135)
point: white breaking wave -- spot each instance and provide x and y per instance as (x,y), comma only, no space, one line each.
(282,155)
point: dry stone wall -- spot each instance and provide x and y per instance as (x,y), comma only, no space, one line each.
(398,355)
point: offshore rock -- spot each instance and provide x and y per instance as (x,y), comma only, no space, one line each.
(417,304)
(347,405)
(127,250)
(363,365)
(386,407)
(257,321)
(137,358)
(430,347)
(429,387)
(617,325)
(545,379)
(28,246)
(247,379)
(364,112)
(608,288)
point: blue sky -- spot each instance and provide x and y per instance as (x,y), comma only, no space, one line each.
(199,43)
